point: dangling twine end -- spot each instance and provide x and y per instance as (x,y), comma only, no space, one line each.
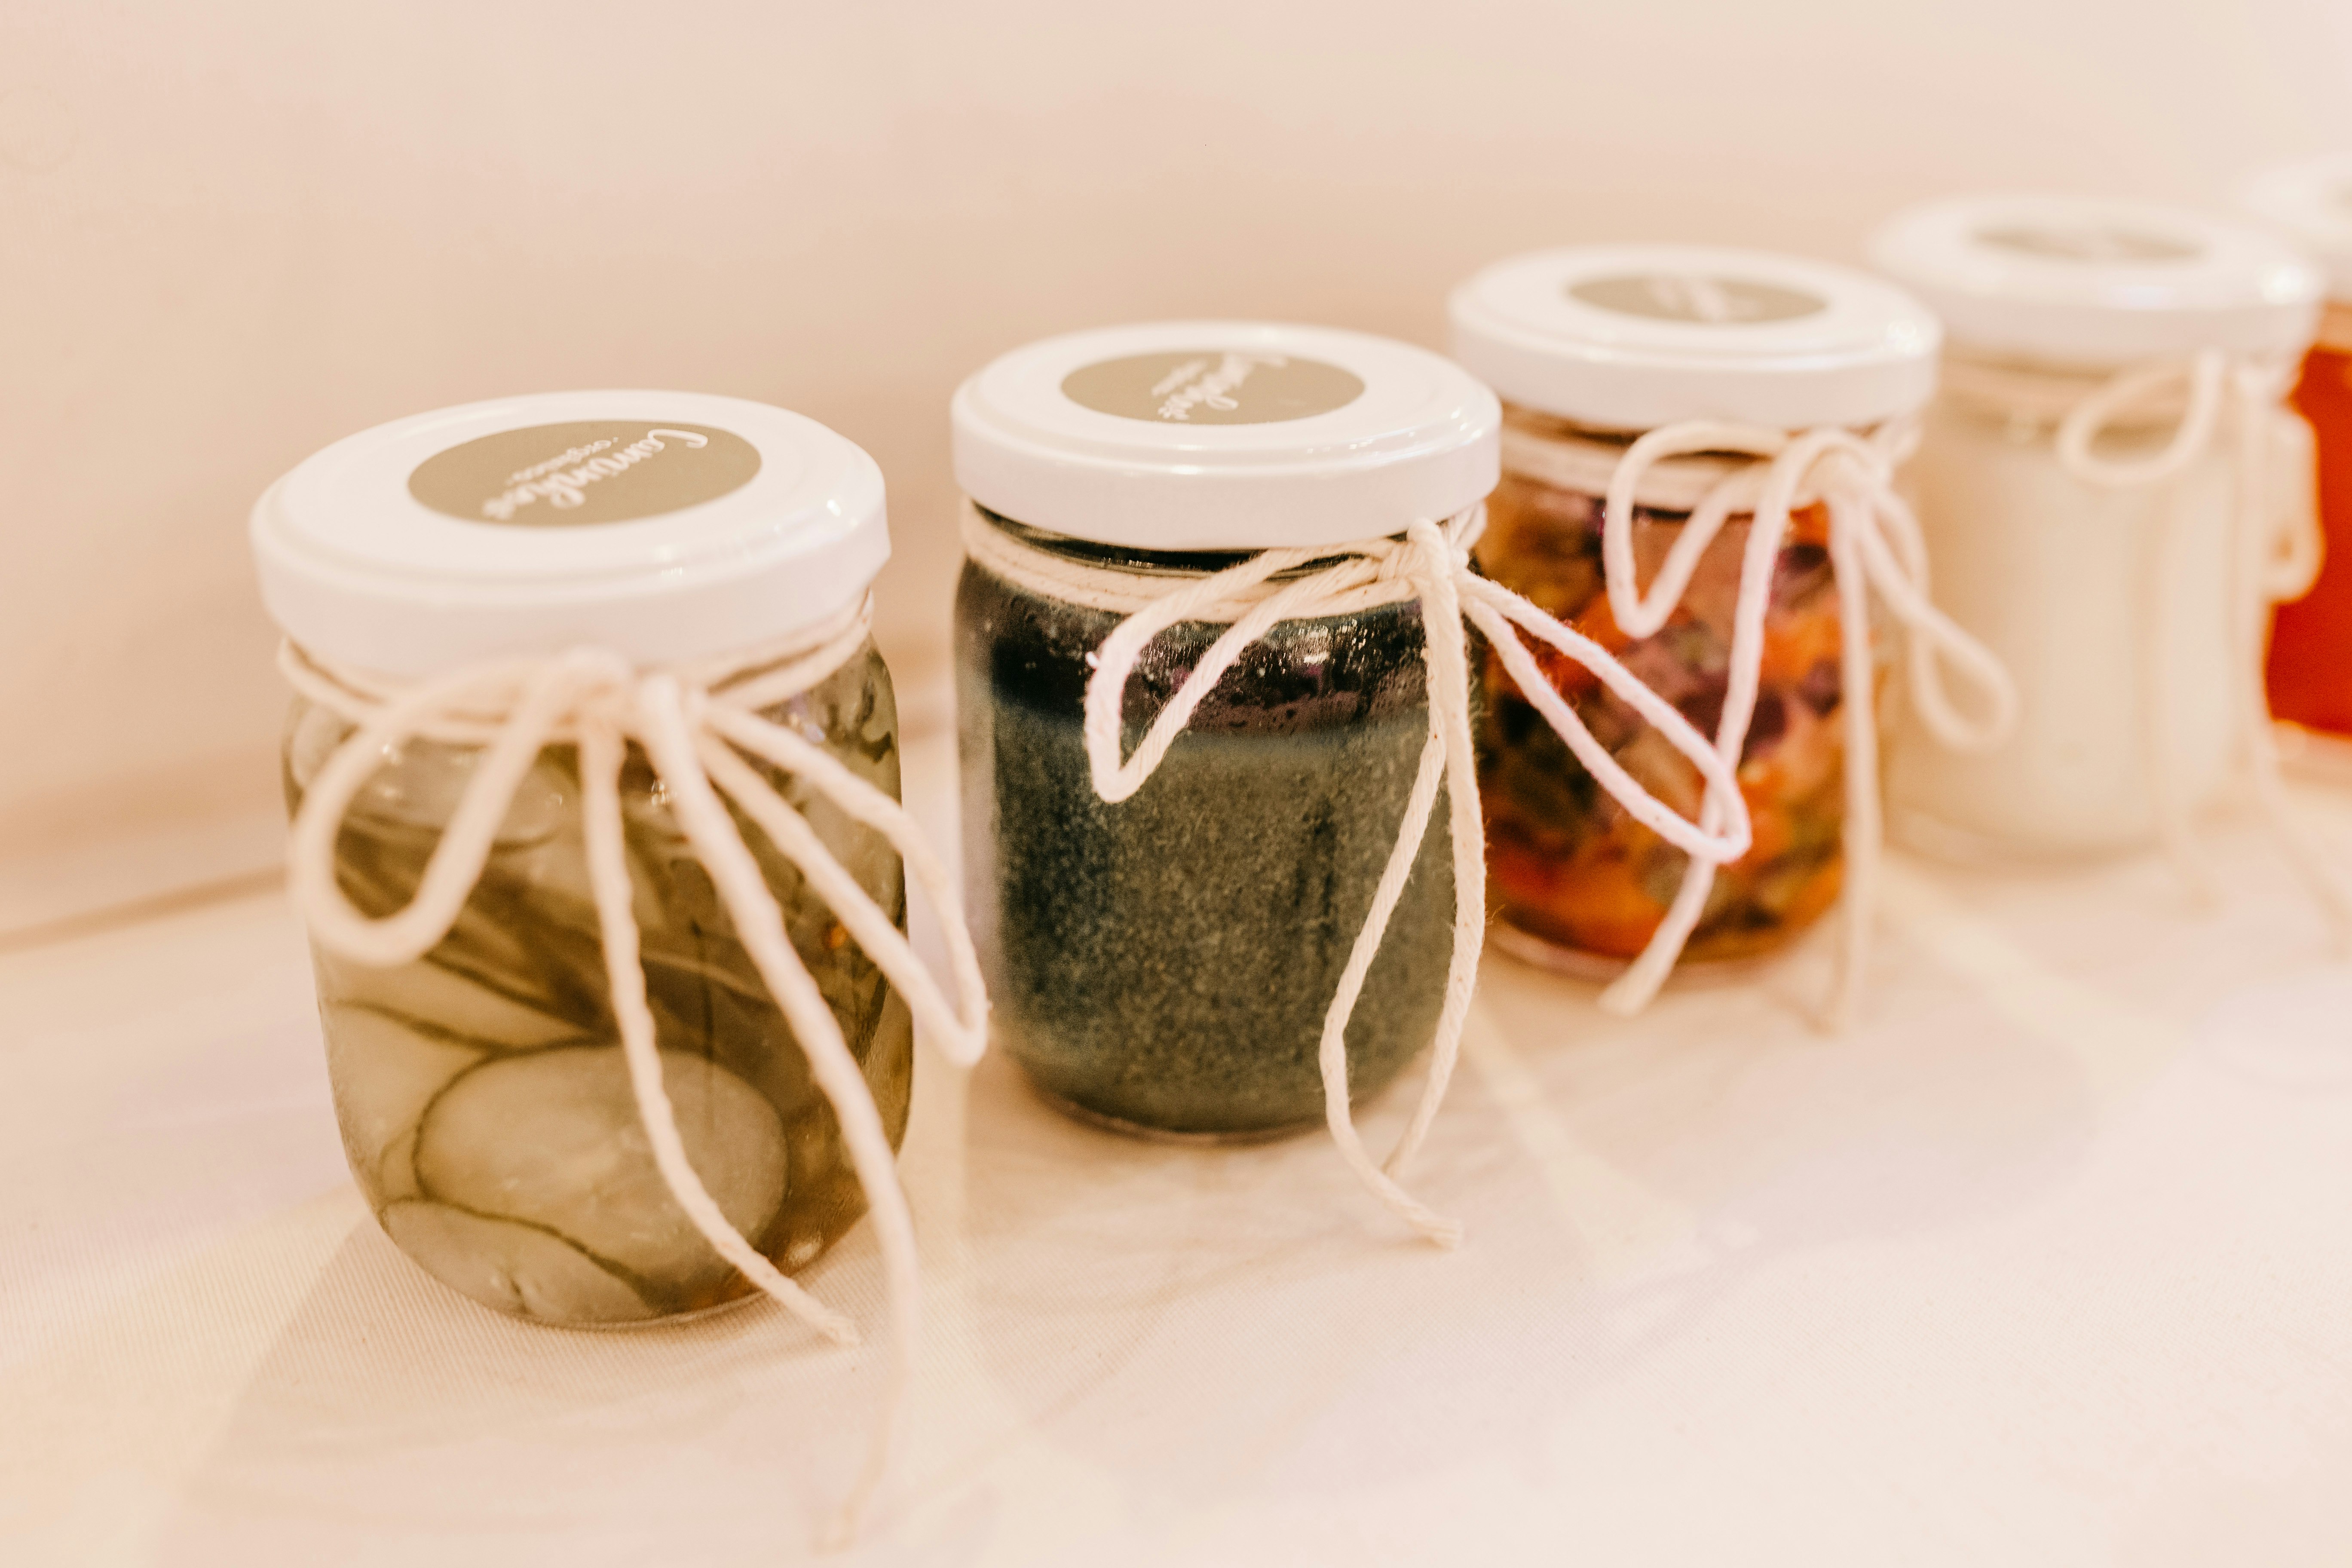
(1441,1233)
(842,1533)
(1618,1000)
(839,1330)
(849,1520)
(1631,993)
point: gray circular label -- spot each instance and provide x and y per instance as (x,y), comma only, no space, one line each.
(585,472)
(2086,242)
(1685,297)
(1212,386)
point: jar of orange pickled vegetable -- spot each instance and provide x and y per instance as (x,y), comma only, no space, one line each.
(1699,447)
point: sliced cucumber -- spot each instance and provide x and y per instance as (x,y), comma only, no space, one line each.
(552,1138)
(815,1142)
(385,1074)
(445,1002)
(512,1268)
(397,1169)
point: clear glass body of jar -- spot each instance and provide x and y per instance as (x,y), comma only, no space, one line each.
(2102,603)
(2310,669)
(483,1097)
(1576,882)
(1164,964)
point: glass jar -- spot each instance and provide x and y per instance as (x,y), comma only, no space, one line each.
(625,569)
(1165,962)
(485,1105)
(2071,582)
(2309,665)
(1578,883)
(1734,412)
(2083,482)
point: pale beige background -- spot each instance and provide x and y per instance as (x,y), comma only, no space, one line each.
(231,233)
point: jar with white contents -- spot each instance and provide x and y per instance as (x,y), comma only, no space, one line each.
(1698,448)
(2114,496)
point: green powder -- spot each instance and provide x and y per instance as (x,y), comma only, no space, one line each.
(1167,962)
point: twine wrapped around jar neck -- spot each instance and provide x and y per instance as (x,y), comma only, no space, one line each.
(1577,461)
(696,724)
(1712,471)
(2275,551)
(1429,562)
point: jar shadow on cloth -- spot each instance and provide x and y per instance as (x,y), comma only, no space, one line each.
(379,1367)
(1217,1279)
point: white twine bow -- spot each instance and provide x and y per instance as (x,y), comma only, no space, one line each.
(695,725)
(2268,564)
(1875,542)
(1429,562)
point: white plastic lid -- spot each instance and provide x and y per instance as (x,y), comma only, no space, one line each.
(662,525)
(2311,201)
(2099,283)
(1630,337)
(1225,436)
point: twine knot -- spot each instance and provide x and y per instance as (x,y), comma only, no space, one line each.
(604,691)
(1423,552)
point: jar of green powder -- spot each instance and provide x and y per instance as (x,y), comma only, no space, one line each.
(1213,689)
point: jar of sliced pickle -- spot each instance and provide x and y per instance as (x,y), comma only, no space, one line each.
(1698,450)
(594,769)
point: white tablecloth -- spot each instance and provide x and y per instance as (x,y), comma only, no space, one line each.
(2048,1262)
